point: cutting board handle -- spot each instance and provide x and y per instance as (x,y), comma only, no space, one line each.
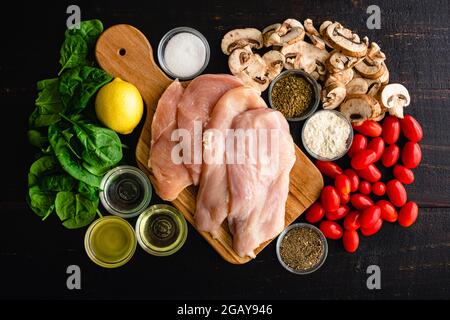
(124,52)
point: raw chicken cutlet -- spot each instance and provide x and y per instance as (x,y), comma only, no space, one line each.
(259,188)
(171,178)
(212,198)
(198,100)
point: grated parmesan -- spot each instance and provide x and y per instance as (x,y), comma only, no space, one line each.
(326,134)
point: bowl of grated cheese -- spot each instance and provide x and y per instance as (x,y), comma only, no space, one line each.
(327,135)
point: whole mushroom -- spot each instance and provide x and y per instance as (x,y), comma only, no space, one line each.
(395,97)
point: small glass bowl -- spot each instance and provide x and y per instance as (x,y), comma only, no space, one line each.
(322,237)
(316,99)
(162,47)
(102,256)
(171,217)
(347,145)
(125,190)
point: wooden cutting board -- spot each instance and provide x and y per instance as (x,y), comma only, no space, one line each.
(125,52)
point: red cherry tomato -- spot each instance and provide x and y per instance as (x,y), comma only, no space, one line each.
(371,231)
(328,168)
(396,193)
(390,155)
(408,214)
(354,179)
(350,240)
(411,128)
(379,188)
(342,184)
(331,229)
(330,199)
(315,213)
(359,143)
(377,145)
(404,175)
(371,173)
(411,155)
(365,187)
(388,211)
(363,159)
(338,214)
(351,221)
(369,128)
(391,129)
(360,201)
(369,217)
(345,198)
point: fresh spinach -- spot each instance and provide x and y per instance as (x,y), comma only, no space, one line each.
(38,139)
(68,160)
(74,209)
(77,44)
(78,85)
(48,104)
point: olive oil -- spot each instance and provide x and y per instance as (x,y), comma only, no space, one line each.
(110,242)
(161,230)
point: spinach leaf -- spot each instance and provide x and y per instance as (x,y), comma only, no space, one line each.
(74,53)
(41,202)
(89,30)
(102,146)
(78,85)
(67,159)
(48,104)
(57,182)
(88,191)
(75,210)
(77,44)
(38,139)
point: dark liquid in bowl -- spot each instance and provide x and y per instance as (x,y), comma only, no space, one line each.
(161,230)
(126,192)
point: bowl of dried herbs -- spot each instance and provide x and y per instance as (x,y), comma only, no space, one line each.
(302,248)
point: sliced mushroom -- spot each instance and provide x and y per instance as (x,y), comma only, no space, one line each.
(384,79)
(345,40)
(289,32)
(333,95)
(240,59)
(374,88)
(343,77)
(324,26)
(395,97)
(313,34)
(275,62)
(374,53)
(268,31)
(339,62)
(360,107)
(303,55)
(370,69)
(357,86)
(240,38)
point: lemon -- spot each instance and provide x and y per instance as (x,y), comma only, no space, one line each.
(119,106)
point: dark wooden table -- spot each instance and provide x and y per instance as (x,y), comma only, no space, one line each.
(414,262)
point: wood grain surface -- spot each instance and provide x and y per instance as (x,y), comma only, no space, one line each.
(414,262)
(124,52)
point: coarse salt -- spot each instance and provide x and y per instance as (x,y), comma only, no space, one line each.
(326,134)
(185,54)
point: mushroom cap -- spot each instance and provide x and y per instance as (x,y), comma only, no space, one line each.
(360,107)
(343,77)
(239,38)
(240,59)
(344,40)
(395,95)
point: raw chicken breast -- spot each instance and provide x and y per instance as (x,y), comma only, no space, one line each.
(212,197)
(259,189)
(198,100)
(171,178)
